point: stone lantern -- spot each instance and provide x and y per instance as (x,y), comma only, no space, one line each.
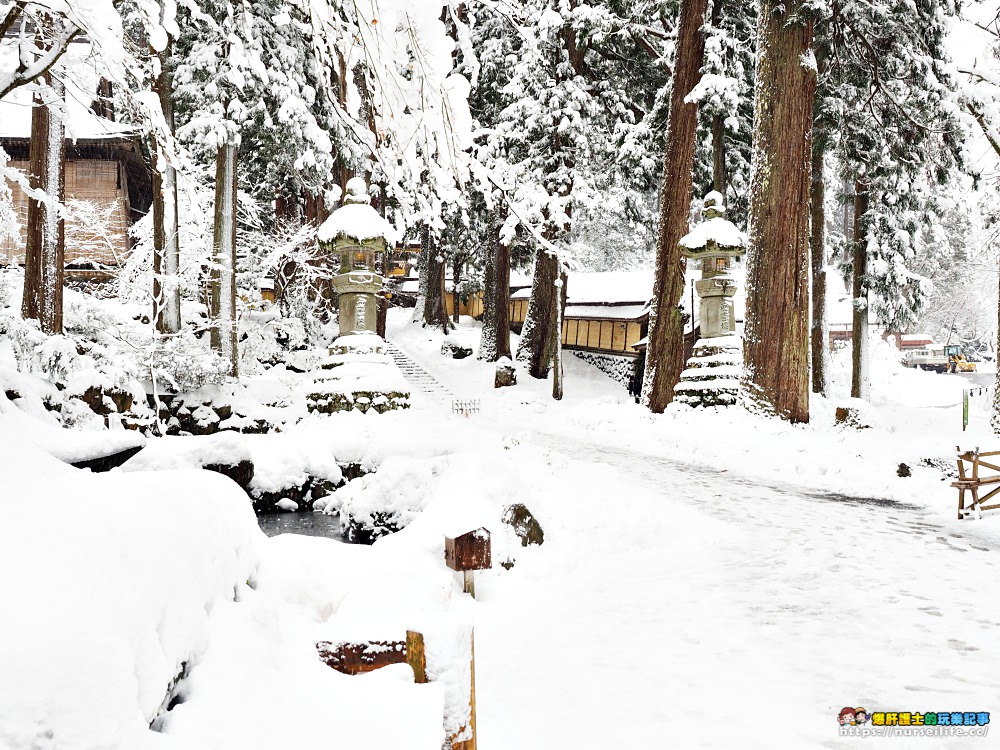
(715,242)
(713,372)
(359,237)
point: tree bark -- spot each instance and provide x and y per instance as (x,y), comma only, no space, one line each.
(665,352)
(557,356)
(995,416)
(435,310)
(539,335)
(166,234)
(818,258)
(859,334)
(224,334)
(776,341)
(817,242)
(718,129)
(44,261)
(456,278)
(495,340)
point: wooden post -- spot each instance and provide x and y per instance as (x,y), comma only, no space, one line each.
(469,582)
(468,553)
(416,656)
(469,744)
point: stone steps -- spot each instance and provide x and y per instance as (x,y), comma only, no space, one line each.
(416,375)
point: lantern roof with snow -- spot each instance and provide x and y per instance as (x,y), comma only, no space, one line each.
(356,220)
(715,235)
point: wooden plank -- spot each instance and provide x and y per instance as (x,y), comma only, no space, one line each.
(970,483)
(572,329)
(994,467)
(988,495)
(593,333)
(606,331)
(359,658)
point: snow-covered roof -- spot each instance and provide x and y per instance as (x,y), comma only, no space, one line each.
(605,312)
(407,285)
(519,280)
(82,124)
(914,338)
(604,288)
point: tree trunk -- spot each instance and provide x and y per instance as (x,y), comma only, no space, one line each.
(224,334)
(718,128)
(995,417)
(495,340)
(44,261)
(859,335)
(665,352)
(817,241)
(435,310)
(776,340)
(719,180)
(456,277)
(557,357)
(423,269)
(166,236)
(539,336)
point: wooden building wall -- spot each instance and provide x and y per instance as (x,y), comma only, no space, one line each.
(100,182)
(615,336)
(473,308)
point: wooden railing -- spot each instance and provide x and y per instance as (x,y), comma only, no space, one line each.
(971,479)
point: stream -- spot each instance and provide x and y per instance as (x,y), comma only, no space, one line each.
(311,523)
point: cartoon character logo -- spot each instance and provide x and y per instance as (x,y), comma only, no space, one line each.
(860,716)
(846,717)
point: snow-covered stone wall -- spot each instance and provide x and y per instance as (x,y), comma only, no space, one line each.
(617,367)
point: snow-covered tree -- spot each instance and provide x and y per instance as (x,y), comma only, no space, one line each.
(776,340)
(665,353)
(888,110)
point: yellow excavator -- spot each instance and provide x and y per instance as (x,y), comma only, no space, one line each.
(957,361)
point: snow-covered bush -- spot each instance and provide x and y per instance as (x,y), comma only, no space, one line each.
(185,363)
(381,503)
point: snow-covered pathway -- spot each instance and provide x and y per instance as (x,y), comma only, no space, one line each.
(737,614)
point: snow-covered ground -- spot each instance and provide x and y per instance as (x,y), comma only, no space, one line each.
(707,579)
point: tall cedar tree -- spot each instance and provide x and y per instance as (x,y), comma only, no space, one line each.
(495,340)
(817,238)
(166,228)
(776,341)
(45,251)
(665,353)
(886,95)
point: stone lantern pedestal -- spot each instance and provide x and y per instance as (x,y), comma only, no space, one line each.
(712,375)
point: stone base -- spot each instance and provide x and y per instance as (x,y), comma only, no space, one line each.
(359,375)
(712,376)
(381,402)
